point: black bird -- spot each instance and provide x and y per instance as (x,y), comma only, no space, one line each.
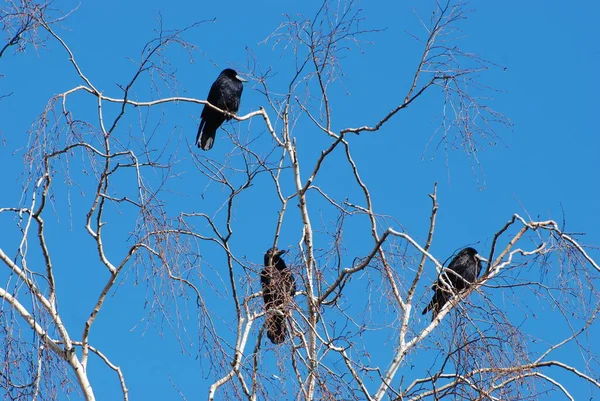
(279,287)
(460,274)
(225,93)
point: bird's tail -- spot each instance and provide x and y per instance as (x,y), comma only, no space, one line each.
(437,303)
(433,305)
(276,328)
(429,307)
(206,135)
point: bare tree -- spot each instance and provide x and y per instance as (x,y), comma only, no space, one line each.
(106,162)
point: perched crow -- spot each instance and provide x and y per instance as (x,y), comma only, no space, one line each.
(225,93)
(278,287)
(460,274)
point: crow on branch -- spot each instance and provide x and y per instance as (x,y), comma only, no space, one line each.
(225,93)
(279,287)
(460,274)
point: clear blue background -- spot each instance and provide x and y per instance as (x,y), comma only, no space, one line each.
(544,166)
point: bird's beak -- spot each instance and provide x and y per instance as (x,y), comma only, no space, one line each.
(241,79)
(478,256)
(280,252)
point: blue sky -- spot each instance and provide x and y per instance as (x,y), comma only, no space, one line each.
(543,166)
